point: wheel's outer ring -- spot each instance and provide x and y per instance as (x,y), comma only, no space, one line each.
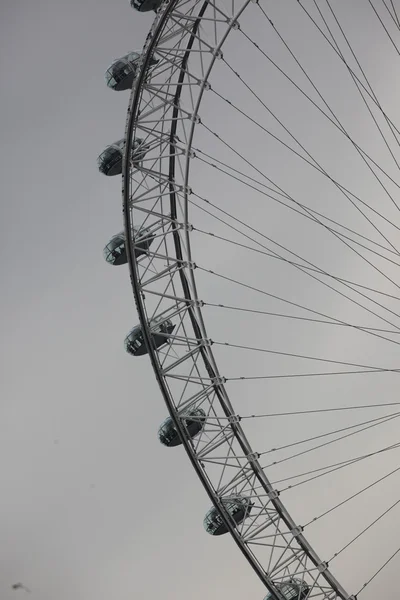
(159,24)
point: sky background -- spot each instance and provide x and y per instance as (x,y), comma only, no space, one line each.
(92,506)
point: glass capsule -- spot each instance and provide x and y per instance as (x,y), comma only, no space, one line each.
(238,507)
(123,71)
(161,330)
(193,422)
(145,5)
(291,589)
(115,252)
(109,161)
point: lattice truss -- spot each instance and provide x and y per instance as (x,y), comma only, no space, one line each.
(186,38)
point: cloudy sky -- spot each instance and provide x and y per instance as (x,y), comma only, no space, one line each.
(92,506)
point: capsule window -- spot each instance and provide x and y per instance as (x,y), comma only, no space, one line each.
(137,343)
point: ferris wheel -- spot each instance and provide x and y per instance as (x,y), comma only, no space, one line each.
(260,169)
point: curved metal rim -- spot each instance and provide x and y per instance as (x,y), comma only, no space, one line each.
(159,25)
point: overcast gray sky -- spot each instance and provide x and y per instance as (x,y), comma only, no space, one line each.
(92,506)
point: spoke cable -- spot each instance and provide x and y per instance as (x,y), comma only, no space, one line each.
(315,166)
(343,502)
(319,410)
(322,224)
(275,256)
(320,374)
(379,570)
(357,81)
(303,206)
(301,356)
(296,318)
(339,127)
(274,296)
(327,434)
(303,268)
(335,466)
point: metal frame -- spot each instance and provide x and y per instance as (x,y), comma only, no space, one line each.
(187,37)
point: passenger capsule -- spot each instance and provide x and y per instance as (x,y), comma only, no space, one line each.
(239,507)
(161,330)
(122,73)
(291,589)
(146,5)
(193,421)
(110,160)
(115,251)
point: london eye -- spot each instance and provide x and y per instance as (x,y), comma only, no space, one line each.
(260,203)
